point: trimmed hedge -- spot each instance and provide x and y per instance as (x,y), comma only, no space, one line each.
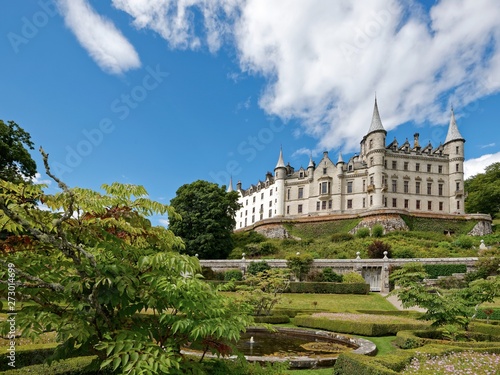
(72,366)
(399,313)
(494,316)
(435,270)
(355,364)
(272,319)
(355,328)
(412,339)
(328,288)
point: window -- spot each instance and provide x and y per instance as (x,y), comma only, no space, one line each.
(394,202)
(253,199)
(349,187)
(364,202)
(394,164)
(371,200)
(246,202)
(394,186)
(349,167)
(457,167)
(458,205)
(429,168)
(440,206)
(417,204)
(385,201)
(253,210)
(301,193)
(371,180)
(324,187)
(270,192)
(317,205)
(246,222)
(405,166)
(324,170)
(262,195)
(405,187)
(458,186)
(417,187)
(364,185)
(407,203)
(301,174)
(385,164)
(288,194)
(440,189)
(429,205)
(457,150)
(371,161)
(370,144)
(323,205)
(349,203)
(270,203)
(253,218)
(330,202)
(299,209)
(429,188)
(440,169)
(246,212)
(261,216)
(417,167)
(287,210)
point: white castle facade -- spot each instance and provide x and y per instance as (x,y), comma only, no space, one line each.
(404,176)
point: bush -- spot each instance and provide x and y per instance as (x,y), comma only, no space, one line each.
(255,267)
(352,277)
(210,274)
(300,264)
(363,232)
(235,275)
(329,288)
(377,231)
(464,242)
(330,276)
(435,270)
(404,253)
(272,319)
(341,237)
(377,248)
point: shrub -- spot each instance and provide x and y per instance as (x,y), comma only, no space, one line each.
(300,264)
(363,232)
(377,231)
(235,275)
(255,267)
(464,242)
(435,270)
(352,277)
(377,248)
(210,274)
(329,288)
(272,319)
(404,253)
(329,275)
(268,248)
(341,237)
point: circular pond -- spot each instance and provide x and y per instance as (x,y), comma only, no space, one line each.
(301,347)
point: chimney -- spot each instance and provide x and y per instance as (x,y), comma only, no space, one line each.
(415,140)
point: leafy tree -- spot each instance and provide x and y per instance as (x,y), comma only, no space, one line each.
(300,264)
(483,191)
(15,159)
(206,219)
(377,248)
(255,267)
(443,307)
(107,281)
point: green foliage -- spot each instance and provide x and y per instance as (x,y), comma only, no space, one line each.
(359,287)
(299,264)
(487,265)
(15,159)
(377,248)
(260,249)
(241,239)
(464,242)
(92,261)
(352,277)
(363,232)
(255,267)
(235,275)
(483,191)
(322,229)
(328,275)
(272,319)
(341,237)
(210,274)
(435,270)
(442,226)
(206,220)
(377,231)
(354,364)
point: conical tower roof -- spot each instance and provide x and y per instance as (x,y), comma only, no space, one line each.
(376,121)
(281,163)
(453,133)
(230,187)
(341,160)
(311,163)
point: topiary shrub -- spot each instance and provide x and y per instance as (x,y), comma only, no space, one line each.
(377,231)
(235,275)
(464,242)
(363,232)
(255,267)
(352,277)
(329,275)
(377,248)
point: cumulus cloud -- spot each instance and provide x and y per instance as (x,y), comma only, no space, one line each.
(105,44)
(478,165)
(324,60)
(164,222)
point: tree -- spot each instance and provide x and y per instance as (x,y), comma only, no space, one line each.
(483,191)
(299,264)
(15,159)
(107,281)
(456,306)
(206,219)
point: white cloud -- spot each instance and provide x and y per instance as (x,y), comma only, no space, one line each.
(39,180)
(105,44)
(475,166)
(324,60)
(164,222)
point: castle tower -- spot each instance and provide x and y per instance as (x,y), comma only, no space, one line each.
(280,174)
(454,147)
(310,168)
(230,187)
(374,148)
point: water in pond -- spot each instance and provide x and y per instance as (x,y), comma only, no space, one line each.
(285,344)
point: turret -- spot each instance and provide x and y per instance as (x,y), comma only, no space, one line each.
(310,168)
(230,187)
(280,173)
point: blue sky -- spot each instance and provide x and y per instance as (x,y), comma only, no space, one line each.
(159,93)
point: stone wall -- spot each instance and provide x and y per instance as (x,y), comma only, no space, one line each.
(388,222)
(482,228)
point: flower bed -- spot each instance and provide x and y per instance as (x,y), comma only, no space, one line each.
(464,363)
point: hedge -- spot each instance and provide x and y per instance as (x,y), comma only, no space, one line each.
(27,355)
(411,339)
(399,313)
(355,364)
(72,366)
(355,328)
(328,288)
(494,316)
(272,319)
(435,270)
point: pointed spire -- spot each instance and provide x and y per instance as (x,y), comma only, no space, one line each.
(281,163)
(453,133)
(341,160)
(311,163)
(376,122)
(230,187)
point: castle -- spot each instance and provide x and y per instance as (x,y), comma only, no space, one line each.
(382,176)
